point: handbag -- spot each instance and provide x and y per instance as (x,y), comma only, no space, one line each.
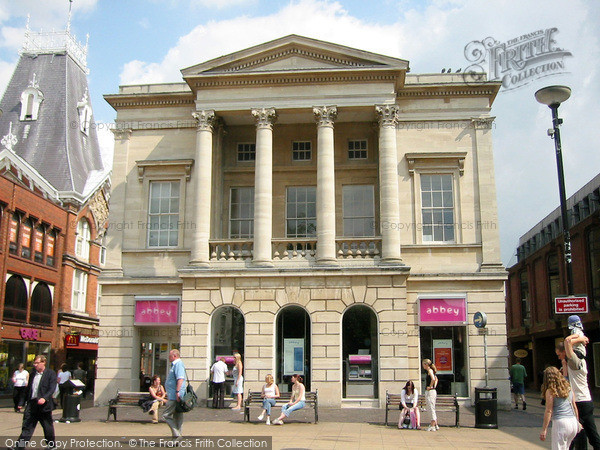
(189,399)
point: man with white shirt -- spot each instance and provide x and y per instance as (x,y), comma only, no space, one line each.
(577,371)
(39,403)
(218,370)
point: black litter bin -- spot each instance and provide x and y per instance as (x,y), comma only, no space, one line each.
(486,408)
(71,401)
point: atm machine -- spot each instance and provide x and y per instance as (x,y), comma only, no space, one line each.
(359,376)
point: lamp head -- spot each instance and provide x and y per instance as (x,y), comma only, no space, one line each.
(553,96)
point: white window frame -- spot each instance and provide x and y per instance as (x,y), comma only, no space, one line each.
(303,151)
(353,142)
(159,214)
(79,291)
(249,219)
(371,217)
(287,217)
(82,242)
(436,209)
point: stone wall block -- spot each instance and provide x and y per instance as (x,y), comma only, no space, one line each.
(215,298)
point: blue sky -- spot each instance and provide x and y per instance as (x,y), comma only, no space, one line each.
(146,41)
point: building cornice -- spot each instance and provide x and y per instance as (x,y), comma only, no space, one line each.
(159,100)
(483,89)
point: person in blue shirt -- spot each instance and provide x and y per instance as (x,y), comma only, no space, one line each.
(175,386)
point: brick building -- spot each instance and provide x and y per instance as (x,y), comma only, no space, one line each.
(53,202)
(539,276)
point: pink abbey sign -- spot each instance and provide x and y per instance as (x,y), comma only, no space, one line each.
(157,312)
(443,311)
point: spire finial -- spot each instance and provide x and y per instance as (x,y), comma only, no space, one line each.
(9,140)
(69,19)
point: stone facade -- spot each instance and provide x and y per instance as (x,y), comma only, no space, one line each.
(324,102)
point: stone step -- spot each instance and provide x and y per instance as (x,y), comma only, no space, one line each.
(360,403)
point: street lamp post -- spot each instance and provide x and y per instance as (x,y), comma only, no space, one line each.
(553,96)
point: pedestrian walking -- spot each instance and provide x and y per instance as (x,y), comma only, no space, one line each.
(176,386)
(517,378)
(577,370)
(560,408)
(39,403)
(63,376)
(80,374)
(20,380)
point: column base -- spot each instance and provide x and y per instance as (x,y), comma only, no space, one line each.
(262,263)
(332,262)
(200,264)
(391,262)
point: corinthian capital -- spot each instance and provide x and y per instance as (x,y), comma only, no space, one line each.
(387,115)
(325,115)
(483,123)
(265,117)
(205,119)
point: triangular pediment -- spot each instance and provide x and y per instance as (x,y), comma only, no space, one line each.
(294,53)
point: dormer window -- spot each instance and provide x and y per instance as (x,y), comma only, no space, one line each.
(31,99)
(85,114)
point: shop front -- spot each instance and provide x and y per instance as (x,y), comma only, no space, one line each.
(157,323)
(443,339)
(20,346)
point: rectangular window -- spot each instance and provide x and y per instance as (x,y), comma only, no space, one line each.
(301,212)
(594,262)
(246,152)
(359,211)
(525,305)
(553,280)
(163,214)
(357,149)
(241,213)
(79,291)
(437,205)
(301,151)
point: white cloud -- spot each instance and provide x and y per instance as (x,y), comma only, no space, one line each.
(12,38)
(6,71)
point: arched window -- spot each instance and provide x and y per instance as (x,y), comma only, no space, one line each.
(31,99)
(41,305)
(26,232)
(15,299)
(13,235)
(82,246)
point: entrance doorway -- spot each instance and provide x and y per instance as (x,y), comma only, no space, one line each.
(293,346)
(227,333)
(359,353)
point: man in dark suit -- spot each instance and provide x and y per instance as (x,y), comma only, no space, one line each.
(41,387)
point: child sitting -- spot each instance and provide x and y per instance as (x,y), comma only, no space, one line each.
(577,339)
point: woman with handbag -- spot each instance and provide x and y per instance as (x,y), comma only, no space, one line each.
(409,398)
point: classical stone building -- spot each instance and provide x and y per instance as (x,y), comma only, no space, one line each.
(54,189)
(313,207)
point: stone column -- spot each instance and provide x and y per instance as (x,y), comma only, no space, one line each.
(388,184)
(202,194)
(263,186)
(324,116)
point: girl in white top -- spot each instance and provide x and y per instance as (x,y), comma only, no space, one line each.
(20,379)
(238,380)
(410,405)
(62,377)
(296,402)
(270,392)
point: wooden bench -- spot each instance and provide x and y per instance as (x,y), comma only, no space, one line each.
(125,399)
(254,399)
(442,403)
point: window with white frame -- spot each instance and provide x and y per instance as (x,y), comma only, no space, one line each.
(163,214)
(357,149)
(301,151)
(241,213)
(301,212)
(82,243)
(437,207)
(79,290)
(246,152)
(358,210)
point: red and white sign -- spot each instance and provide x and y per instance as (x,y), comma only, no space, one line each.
(442,356)
(571,305)
(157,312)
(81,341)
(442,311)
